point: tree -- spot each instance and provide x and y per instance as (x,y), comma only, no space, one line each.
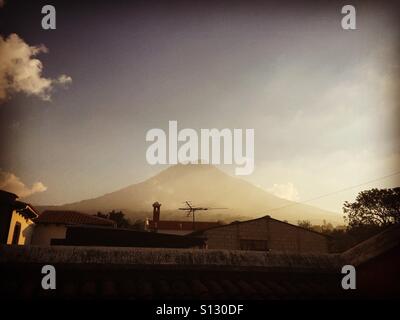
(118,217)
(325,227)
(101,215)
(306,224)
(375,207)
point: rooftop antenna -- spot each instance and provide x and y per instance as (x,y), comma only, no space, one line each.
(191,210)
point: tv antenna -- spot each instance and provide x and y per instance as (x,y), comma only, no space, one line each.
(191,210)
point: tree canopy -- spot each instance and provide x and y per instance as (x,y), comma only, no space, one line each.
(375,207)
(118,217)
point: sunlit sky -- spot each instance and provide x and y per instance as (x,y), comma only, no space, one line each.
(322,100)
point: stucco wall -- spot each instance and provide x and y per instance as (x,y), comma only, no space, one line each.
(43,233)
(26,229)
(280,236)
(223,238)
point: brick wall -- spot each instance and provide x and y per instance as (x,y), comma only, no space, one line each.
(280,236)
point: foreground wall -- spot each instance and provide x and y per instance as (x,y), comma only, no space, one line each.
(144,273)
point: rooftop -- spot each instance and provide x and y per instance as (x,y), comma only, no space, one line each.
(171,258)
(6,196)
(24,209)
(219,225)
(161,273)
(118,237)
(183,225)
(72,218)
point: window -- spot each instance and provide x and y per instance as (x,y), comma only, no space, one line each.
(16,233)
(256,245)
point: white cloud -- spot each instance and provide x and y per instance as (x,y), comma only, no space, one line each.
(317,176)
(64,79)
(286,191)
(11,183)
(21,72)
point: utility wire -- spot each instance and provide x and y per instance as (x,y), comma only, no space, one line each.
(335,192)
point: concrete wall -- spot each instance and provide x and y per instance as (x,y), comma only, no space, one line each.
(278,236)
(26,229)
(43,233)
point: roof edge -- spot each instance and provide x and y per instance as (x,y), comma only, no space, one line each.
(263,217)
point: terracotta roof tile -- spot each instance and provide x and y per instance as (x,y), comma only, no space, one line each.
(72,218)
(142,273)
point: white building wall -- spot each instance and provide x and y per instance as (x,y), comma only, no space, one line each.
(43,233)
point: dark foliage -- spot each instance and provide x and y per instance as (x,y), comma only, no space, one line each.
(119,218)
(375,208)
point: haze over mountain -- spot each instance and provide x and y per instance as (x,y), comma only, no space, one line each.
(206,186)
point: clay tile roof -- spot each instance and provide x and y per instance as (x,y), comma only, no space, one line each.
(72,218)
(374,246)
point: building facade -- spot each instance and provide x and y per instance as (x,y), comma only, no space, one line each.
(265,234)
(53,225)
(16,220)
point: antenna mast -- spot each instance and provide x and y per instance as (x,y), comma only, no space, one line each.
(192,210)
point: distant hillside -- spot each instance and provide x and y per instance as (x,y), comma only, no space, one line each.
(205,185)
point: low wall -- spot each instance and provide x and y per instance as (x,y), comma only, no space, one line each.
(194,258)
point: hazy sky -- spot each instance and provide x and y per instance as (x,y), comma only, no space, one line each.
(322,100)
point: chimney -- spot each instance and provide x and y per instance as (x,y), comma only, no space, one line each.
(156,214)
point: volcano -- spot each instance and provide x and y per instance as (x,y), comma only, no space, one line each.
(206,186)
